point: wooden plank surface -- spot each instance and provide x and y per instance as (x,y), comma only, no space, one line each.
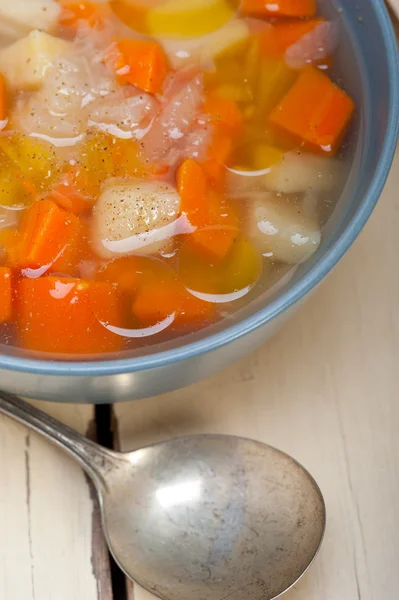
(50,545)
(326,390)
(394,4)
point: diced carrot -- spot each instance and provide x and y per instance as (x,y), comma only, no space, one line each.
(228,122)
(142,63)
(275,40)
(68,200)
(193,189)
(73,12)
(154,303)
(278,8)
(216,223)
(5,294)
(315,112)
(50,237)
(3,99)
(215,241)
(10,245)
(224,114)
(124,272)
(217,237)
(68,316)
(154,291)
(66,195)
(219,153)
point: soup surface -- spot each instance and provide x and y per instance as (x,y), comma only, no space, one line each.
(161,161)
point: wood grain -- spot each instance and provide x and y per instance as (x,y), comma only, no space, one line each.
(326,390)
(394,5)
(47,517)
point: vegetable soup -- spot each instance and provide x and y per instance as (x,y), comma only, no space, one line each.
(162,162)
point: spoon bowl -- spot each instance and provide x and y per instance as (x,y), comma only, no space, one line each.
(205,517)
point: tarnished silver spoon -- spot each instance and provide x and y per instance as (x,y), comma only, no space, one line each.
(205,517)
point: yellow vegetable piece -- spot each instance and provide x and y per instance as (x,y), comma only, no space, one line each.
(236,274)
(265,156)
(252,61)
(228,70)
(272,81)
(132,14)
(12,192)
(226,42)
(237,93)
(33,160)
(127,161)
(94,166)
(258,151)
(188,18)
(229,40)
(103,157)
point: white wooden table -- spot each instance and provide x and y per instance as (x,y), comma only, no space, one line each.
(325,389)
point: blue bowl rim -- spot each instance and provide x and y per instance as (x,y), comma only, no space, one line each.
(290,297)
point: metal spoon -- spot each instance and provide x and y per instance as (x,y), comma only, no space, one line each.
(205,517)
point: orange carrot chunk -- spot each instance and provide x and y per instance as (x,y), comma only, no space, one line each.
(276,39)
(278,8)
(142,63)
(224,114)
(5,294)
(228,123)
(154,303)
(10,247)
(65,315)
(315,112)
(124,272)
(155,292)
(50,237)
(193,189)
(216,239)
(216,223)
(67,196)
(73,12)
(220,150)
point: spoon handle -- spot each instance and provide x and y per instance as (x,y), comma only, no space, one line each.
(95,459)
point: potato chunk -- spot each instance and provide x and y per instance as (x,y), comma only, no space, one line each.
(135,218)
(27,62)
(19,17)
(299,172)
(207,48)
(281,230)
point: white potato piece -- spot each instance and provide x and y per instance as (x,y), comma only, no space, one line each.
(26,63)
(207,48)
(135,218)
(281,230)
(19,17)
(60,109)
(301,171)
